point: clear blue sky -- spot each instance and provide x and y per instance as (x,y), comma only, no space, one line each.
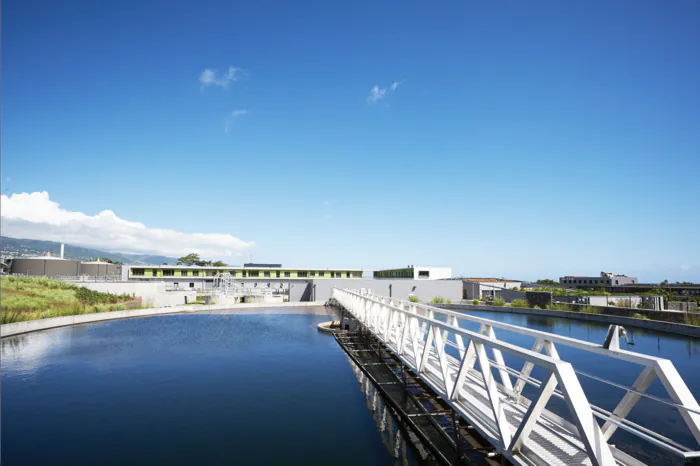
(525,139)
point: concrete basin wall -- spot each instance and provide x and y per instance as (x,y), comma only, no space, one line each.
(657,325)
(28,326)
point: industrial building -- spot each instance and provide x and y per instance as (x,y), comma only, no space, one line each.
(58,266)
(487,288)
(250,275)
(604,280)
(416,272)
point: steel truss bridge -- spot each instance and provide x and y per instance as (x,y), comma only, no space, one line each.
(432,343)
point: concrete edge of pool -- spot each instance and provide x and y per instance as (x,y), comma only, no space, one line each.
(657,325)
(28,326)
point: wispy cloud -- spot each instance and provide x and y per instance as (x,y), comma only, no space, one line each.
(228,124)
(376,93)
(328,203)
(212,77)
(36,216)
(686,267)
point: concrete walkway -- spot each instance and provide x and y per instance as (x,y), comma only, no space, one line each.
(28,326)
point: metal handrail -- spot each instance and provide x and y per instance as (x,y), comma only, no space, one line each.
(683,399)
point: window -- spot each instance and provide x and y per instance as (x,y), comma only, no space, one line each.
(277,274)
(423,274)
(195,273)
(321,274)
(616,282)
(357,274)
(191,285)
(155,272)
(313,274)
(138,272)
(267,274)
(347,274)
(287,274)
(183,273)
(332,274)
(254,273)
(244,274)
(168,273)
(301,274)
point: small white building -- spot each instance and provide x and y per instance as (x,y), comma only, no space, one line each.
(415,272)
(489,288)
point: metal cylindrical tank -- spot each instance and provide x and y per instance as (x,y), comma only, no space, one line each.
(45,266)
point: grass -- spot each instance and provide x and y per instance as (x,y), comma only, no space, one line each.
(558,307)
(641,316)
(588,309)
(414,299)
(520,303)
(31,298)
(437,300)
(692,319)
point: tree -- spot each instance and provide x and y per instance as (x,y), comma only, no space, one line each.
(547,281)
(219,264)
(190,259)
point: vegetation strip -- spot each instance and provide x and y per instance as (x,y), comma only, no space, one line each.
(32,298)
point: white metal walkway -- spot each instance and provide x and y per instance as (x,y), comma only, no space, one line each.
(522,429)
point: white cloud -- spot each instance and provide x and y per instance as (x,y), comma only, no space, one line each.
(212,77)
(36,216)
(686,267)
(376,93)
(228,124)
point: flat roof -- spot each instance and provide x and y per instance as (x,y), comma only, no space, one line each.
(239,267)
(492,280)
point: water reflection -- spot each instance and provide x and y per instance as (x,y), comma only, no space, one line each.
(387,424)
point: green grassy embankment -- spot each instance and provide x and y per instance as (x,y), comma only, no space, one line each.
(30,298)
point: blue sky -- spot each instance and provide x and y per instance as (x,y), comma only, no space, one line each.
(523,139)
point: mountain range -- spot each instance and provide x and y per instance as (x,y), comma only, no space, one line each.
(20,247)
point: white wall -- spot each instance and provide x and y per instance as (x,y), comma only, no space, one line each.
(436,273)
(151,293)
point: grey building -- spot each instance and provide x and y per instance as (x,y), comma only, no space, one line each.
(604,280)
(54,266)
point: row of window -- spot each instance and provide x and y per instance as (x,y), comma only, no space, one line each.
(592,281)
(247,273)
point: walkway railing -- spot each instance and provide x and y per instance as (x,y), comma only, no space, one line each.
(521,428)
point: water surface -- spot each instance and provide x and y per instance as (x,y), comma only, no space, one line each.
(219,388)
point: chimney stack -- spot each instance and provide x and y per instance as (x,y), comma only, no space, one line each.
(62,248)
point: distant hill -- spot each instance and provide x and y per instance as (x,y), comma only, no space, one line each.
(18,247)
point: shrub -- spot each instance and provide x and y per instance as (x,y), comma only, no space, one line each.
(588,309)
(448,301)
(692,319)
(558,307)
(498,302)
(413,298)
(640,316)
(520,303)
(475,302)
(437,300)
(537,307)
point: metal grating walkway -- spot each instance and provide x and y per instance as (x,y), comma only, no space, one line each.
(475,381)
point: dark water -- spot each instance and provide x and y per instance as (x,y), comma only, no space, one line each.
(684,352)
(217,389)
(243,389)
